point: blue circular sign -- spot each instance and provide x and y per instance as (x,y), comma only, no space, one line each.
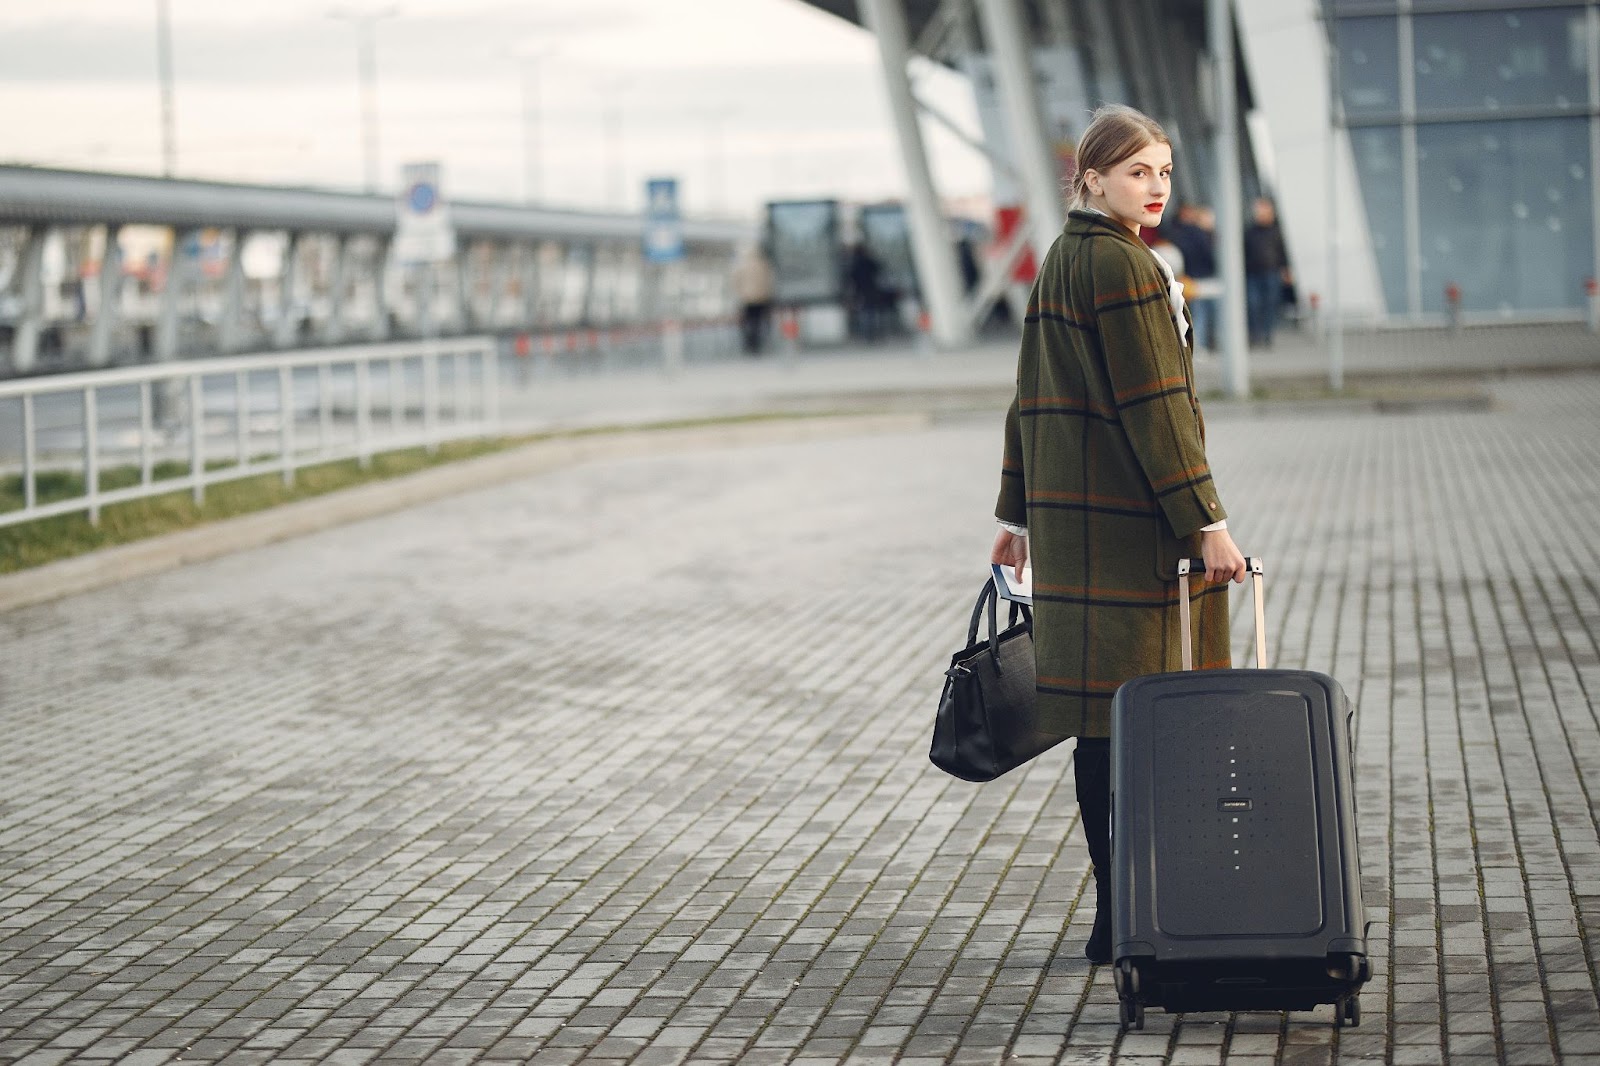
(422,197)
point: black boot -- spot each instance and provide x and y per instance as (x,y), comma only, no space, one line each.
(1091,766)
(1098,949)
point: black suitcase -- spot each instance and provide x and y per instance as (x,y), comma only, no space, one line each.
(1235,882)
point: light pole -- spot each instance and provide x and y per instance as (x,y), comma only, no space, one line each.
(716,160)
(612,121)
(366,23)
(169,135)
(532,148)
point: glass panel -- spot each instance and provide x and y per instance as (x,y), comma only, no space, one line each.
(1377,158)
(1369,65)
(1506,213)
(1423,5)
(1487,61)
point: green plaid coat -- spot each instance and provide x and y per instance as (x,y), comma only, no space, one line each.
(1105,464)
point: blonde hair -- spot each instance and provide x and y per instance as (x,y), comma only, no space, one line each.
(1115,133)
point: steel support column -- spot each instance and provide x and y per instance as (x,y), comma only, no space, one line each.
(230,328)
(1230,201)
(931,246)
(532,284)
(333,330)
(108,309)
(30,271)
(502,268)
(172,294)
(1006,34)
(466,317)
(1107,59)
(283,335)
(382,328)
(591,272)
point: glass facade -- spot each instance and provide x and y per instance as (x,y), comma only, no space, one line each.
(1379,169)
(1471,127)
(1492,61)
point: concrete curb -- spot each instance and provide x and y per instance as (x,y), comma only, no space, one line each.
(109,566)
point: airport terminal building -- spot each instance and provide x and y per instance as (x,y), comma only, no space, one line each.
(1419,151)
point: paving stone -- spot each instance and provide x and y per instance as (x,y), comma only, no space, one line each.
(626,763)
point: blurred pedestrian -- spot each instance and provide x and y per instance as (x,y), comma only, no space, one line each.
(1266,270)
(1105,483)
(868,299)
(1195,234)
(753,287)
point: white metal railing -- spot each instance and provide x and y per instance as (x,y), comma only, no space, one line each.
(187,425)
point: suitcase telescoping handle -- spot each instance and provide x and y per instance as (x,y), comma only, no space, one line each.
(1198,566)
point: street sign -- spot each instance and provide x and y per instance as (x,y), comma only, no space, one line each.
(423,232)
(663,223)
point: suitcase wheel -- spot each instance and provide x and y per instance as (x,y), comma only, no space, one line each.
(1349,1010)
(1126,977)
(1132,1014)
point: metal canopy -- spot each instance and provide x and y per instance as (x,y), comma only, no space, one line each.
(918,12)
(921,12)
(39,195)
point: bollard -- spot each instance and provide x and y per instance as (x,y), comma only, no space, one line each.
(672,347)
(789,326)
(1315,303)
(1452,306)
(1592,287)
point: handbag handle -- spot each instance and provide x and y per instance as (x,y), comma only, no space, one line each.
(989,598)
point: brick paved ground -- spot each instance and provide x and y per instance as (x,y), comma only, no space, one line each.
(627,762)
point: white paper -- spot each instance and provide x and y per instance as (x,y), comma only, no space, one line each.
(1006,583)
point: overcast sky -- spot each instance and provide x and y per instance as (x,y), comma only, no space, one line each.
(743,100)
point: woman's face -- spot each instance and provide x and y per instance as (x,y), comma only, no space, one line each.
(1135,191)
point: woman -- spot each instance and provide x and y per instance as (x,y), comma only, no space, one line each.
(1105,482)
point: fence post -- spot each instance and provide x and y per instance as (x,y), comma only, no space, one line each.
(30,490)
(430,399)
(491,385)
(147,432)
(197,433)
(286,423)
(91,452)
(324,408)
(363,414)
(241,415)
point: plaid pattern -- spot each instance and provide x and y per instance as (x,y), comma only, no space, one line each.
(1105,463)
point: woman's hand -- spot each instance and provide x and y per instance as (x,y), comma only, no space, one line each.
(1223,560)
(1012,550)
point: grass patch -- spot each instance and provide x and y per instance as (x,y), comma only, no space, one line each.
(44,540)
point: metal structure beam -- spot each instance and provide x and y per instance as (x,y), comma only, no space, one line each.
(333,330)
(230,332)
(109,305)
(30,280)
(931,246)
(1006,34)
(1230,202)
(73,197)
(168,341)
(283,335)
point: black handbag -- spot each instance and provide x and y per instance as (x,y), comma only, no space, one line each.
(986,723)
